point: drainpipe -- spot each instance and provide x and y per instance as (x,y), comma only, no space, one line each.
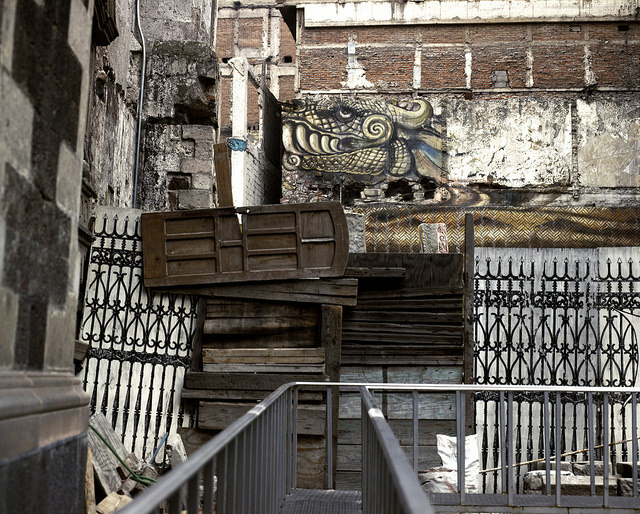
(139,131)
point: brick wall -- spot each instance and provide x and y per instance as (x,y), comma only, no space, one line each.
(539,55)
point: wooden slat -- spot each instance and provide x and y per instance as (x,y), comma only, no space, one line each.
(263,368)
(264,355)
(233,308)
(245,325)
(355,314)
(350,430)
(356,272)
(248,381)
(219,415)
(392,338)
(398,328)
(242,395)
(422,270)
(329,291)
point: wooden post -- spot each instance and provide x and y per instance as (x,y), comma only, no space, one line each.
(223,175)
(196,350)
(469,267)
(331,340)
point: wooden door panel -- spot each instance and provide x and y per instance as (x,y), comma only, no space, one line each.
(273,242)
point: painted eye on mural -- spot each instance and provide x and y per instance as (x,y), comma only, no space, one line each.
(344,113)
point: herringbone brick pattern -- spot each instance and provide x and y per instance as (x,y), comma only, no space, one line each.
(395,229)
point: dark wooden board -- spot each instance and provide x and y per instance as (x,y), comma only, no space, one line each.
(275,242)
(249,381)
(242,395)
(219,415)
(423,270)
(223,175)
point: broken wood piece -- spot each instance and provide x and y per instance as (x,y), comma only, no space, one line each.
(370,272)
(276,242)
(108,469)
(80,350)
(331,291)
(251,382)
(219,415)
(113,503)
(263,355)
(89,486)
(255,325)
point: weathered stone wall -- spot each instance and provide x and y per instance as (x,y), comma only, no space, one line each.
(44,77)
(536,104)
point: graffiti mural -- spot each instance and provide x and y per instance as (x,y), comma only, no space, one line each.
(363,137)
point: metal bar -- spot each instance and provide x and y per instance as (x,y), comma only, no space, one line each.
(558,451)
(295,436)
(460,444)
(547,442)
(193,495)
(510,444)
(503,442)
(209,485)
(592,443)
(414,395)
(606,453)
(329,438)
(634,442)
(175,502)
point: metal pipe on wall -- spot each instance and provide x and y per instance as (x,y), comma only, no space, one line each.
(140,98)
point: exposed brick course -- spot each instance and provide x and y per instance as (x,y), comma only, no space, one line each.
(287,84)
(616,65)
(443,68)
(558,66)
(557,32)
(512,32)
(250,32)
(224,38)
(388,69)
(488,59)
(323,69)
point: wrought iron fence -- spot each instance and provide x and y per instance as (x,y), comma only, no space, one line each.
(139,341)
(554,318)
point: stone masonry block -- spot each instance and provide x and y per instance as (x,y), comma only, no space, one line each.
(625,486)
(198,132)
(194,166)
(584,468)
(60,344)
(204,150)
(8,321)
(625,469)
(195,199)
(202,181)
(68,181)
(16,120)
(355,226)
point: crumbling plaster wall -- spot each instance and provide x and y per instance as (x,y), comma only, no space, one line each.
(111,128)
(537,100)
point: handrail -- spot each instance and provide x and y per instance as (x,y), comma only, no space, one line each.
(260,447)
(380,446)
(169,486)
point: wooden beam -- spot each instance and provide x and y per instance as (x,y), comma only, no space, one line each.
(364,272)
(246,325)
(249,381)
(223,175)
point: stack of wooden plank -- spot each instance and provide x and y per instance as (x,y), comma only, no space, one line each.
(407,326)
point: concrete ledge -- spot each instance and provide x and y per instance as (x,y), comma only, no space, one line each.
(38,409)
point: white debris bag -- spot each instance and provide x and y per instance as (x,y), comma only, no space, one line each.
(445,479)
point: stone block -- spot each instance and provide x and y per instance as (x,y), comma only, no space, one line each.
(204,150)
(625,469)
(8,321)
(175,450)
(178,181)
(198,132)
(202,181)
(535,482)
(194,166)
(564,466)
(584,468)
(166,162)
(625,486)
(59,342)
(68,182)
(195,199)
(356,229)
(433,238)
(16,120)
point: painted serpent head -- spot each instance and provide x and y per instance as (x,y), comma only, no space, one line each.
(361,136)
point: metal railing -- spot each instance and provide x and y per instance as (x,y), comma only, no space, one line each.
(254,459)
(250,466)
(389,484)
